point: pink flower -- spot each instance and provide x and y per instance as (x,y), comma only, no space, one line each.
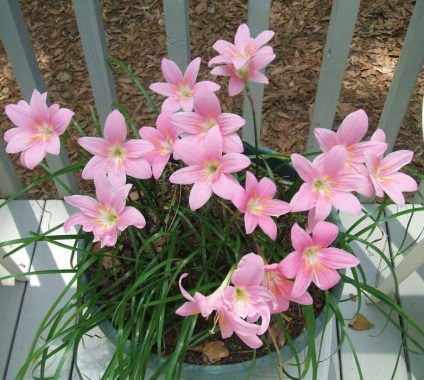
(247,299)
(313,260)
(114,154)
(108,214)
(385,174)
(249,72)
(257,205)
(326,184)
(208,114)
(243,49)
(282,289)
(180,89)
(349,135)
(163,138)
(208,169)
(243,59)
(38,128)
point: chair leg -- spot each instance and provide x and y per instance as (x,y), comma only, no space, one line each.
(11,266)
(412,261)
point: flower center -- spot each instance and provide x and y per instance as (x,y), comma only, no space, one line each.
(311,255)
(44,131)
(117,154)
(212,170)
(107,217)
(183,92)
(208,124)
(165,147)
(241,295)
(323,186)
(255,206)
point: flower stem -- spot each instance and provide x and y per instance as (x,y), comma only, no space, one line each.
(255,125)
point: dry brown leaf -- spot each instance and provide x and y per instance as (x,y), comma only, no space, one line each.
(215,351)
(353,297)
(360,323)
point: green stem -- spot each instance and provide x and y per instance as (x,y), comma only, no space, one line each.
(255,125)
(57,179)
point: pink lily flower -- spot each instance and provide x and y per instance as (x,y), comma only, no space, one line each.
(114,154)
(105,216)
(208,169)
(258,206)
(38,128)
(181,89)
(163,138)
(326,184)
(282,289)
(208,114)
(248,72)
(243,49)
(349,134)
(313,260)
(248,299)
(386,177)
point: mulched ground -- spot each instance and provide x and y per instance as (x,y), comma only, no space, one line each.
(136,34)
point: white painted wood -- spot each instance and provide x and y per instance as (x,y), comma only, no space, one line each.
(336,51)
(10,183)
(28,215)
(177,31)
(411,290)
(407,70)
(378,348)
(90,26)
(258,21)
(42,290)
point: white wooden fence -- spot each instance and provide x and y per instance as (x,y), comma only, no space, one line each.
(15,38)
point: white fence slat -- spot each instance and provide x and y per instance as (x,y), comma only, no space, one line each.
(177,31)
(12,292)
(407,70)
(258,21)
(340,31)
(17,43)
(10,183)
(91,29)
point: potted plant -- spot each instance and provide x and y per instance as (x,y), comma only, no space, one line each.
(195,239)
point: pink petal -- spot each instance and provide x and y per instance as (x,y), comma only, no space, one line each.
(347,202)
(263,38)
(207,104)
(199,195)
(86,204)
(213,150)
(95,145)
(232,143)
(93,166)
(223,70)
(164,89)
(395,160)
(336,258)
(186,176)
(191,72)
(335,160)
(250,222)
(304,199)
(326,138)
(302,282)
(229,122)
(19,115)
(171,72)
(266,188)
(353,128)
(115,130)
(138,168)
(325,278)
(39,107)
(18,140)
(61,119)
(268,226)
(76,218)
(224,186)
(187,104)
(104,190)
(234,162)
(31,157)
(304,168)
(119,197)
(275,207)
(404,182)
(291,265)
(393,191)
(189,122)
(257,77)
(52,144)
(242,37)
(221,46)
(324,234)
(250,271)
(130,217)
(158,165)
(235,85)
(190,149)
(206,84)
(239,199)
(137,148)
(322,207)
(301,240)
(171,105)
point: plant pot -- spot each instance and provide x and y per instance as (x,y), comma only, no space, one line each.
(241,370)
